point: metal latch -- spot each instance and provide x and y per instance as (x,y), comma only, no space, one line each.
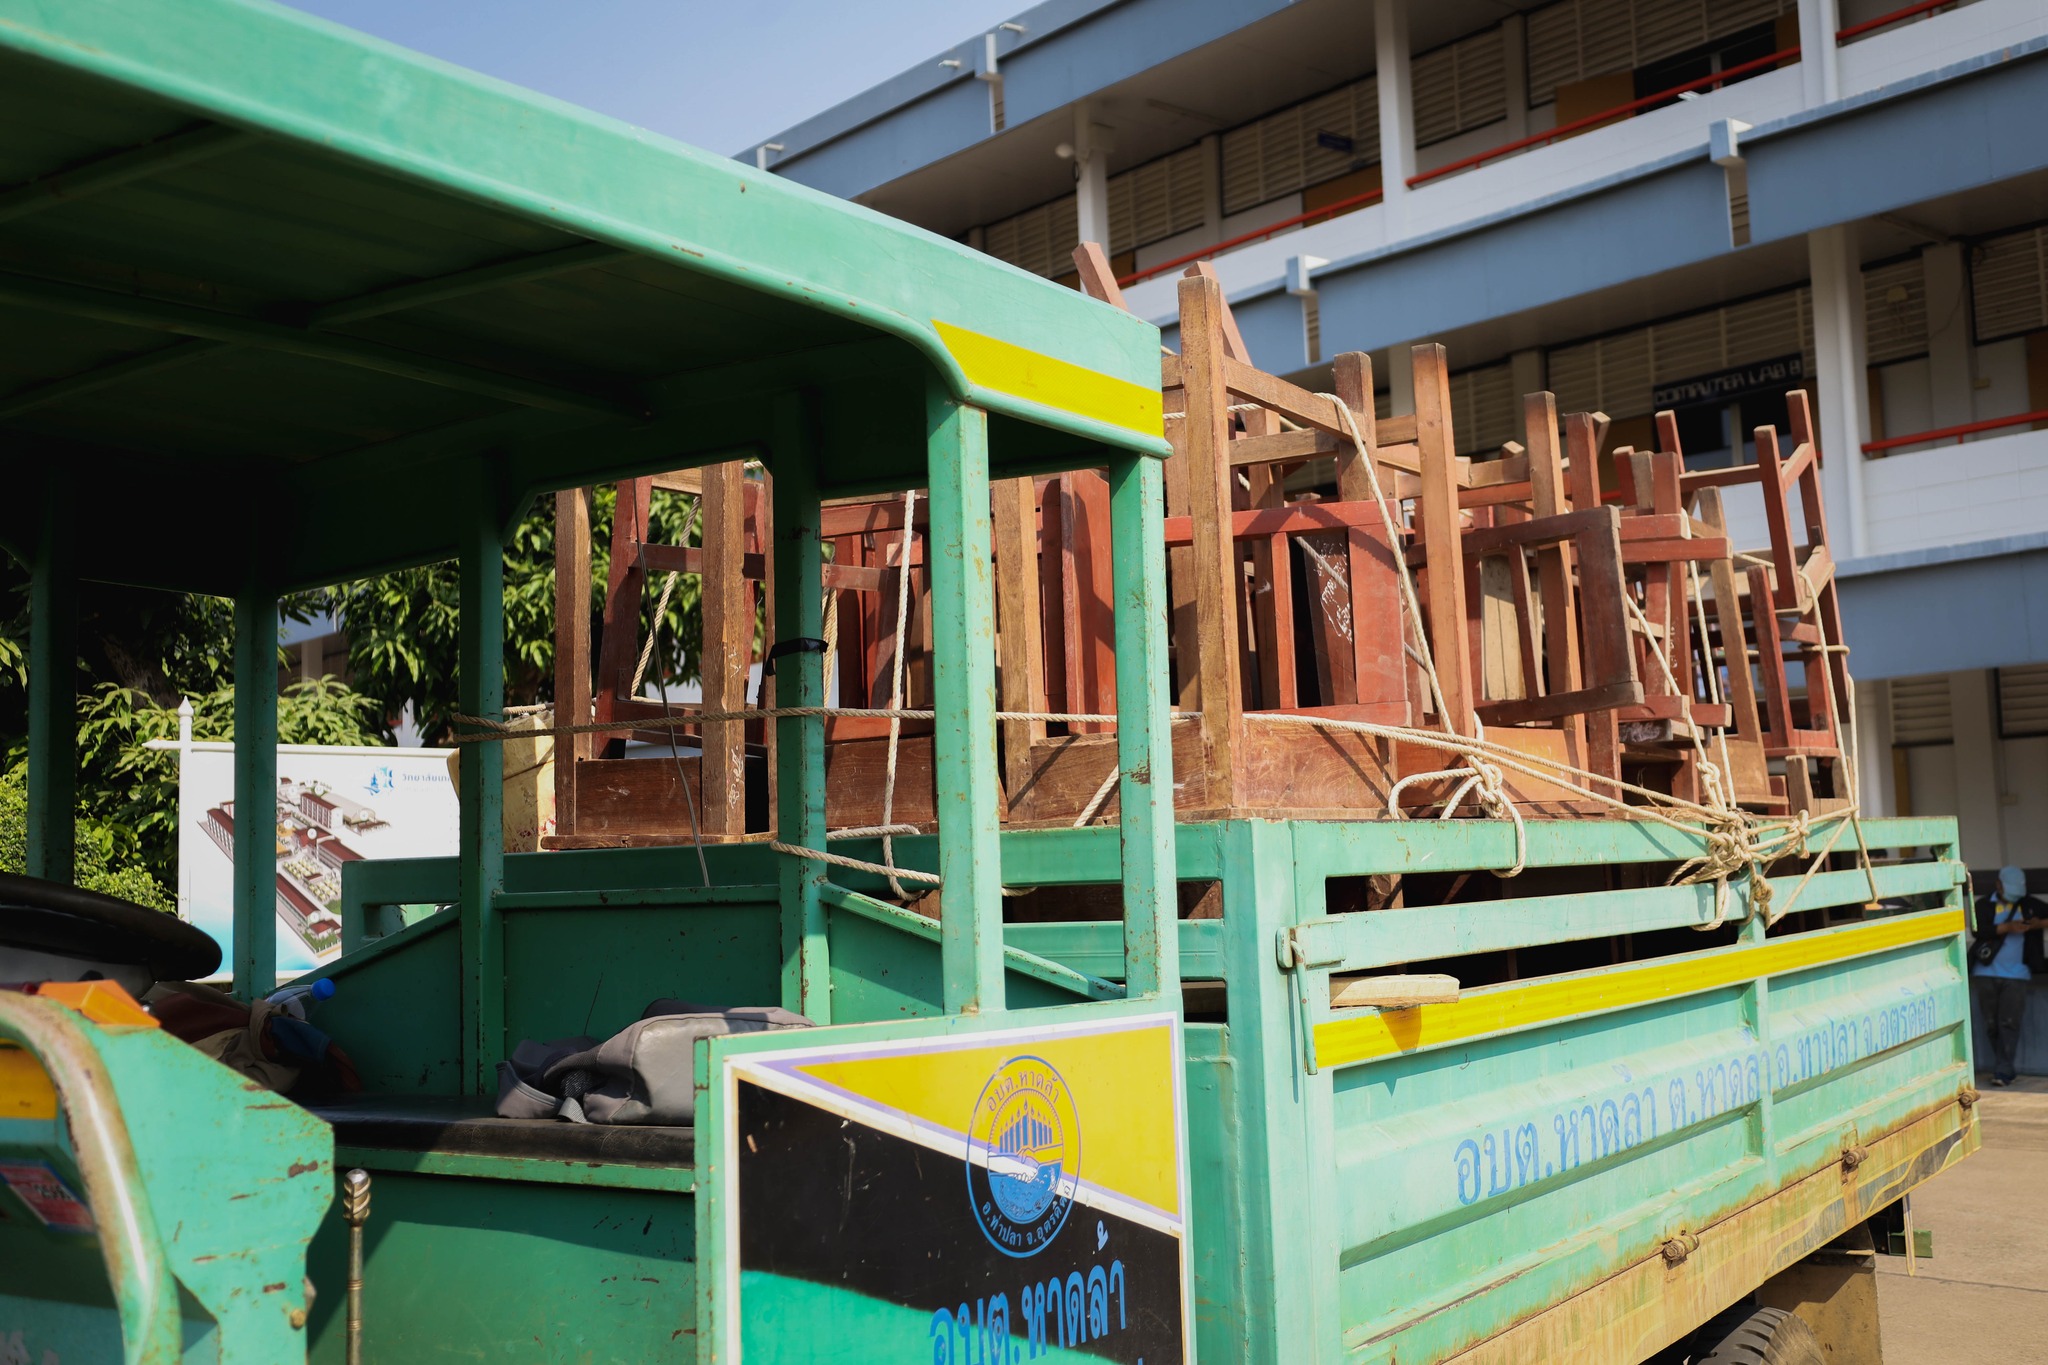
(1291,948)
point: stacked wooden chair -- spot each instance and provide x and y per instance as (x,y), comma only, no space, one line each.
(1603,631)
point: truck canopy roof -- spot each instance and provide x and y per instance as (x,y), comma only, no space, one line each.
(272,288)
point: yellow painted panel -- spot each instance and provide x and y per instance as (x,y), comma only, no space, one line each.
(1343,1041)
(992,363)
(1122,1084)
(25,1088)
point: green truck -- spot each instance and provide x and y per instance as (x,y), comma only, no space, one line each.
(283,306)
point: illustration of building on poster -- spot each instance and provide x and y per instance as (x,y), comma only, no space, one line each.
(333,806)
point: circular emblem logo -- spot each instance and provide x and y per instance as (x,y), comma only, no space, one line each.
(1024,1156)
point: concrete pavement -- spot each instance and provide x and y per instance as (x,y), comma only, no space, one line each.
(1983,1299)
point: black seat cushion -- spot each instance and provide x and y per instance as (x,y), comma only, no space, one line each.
(466,1125)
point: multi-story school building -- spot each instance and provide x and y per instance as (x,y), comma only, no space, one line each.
(1638,204)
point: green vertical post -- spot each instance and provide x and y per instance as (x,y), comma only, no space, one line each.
(480,691)
(1144,735)
(964,696)
(255,940)
(800,681)
(52,693)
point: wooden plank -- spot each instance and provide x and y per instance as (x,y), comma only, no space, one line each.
(572,645)
(1089,591)
(1352,612)
(1292,519)
(727,600)
(1640,550)
(869,517)
(1770,653)
(1604,633)
(658,558)
(625,580)
(1441,535)
(1098,280)
(689,481)
(1207,436)
(1493,540)
(1392,992)
(1547,498)
(1777,516)
(1020,641)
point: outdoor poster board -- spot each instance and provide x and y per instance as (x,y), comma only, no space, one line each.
(334,805)
(1015,1195)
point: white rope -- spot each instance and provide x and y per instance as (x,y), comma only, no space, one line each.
(1101,795)
(894,874)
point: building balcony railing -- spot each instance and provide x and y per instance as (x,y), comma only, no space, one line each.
(1692,88)
(1959,433)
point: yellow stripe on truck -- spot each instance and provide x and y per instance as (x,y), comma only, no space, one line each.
(1364,1037)
(992,363)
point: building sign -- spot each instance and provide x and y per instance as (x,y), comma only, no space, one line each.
(1764,376)
(1013,1196)
(334,805)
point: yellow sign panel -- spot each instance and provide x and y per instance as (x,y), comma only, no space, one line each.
(1118,1086)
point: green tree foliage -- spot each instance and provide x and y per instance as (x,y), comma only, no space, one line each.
(403,627)
(133,789)
(142,652)
(105,861)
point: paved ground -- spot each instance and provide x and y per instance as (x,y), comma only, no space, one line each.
(1984,1296)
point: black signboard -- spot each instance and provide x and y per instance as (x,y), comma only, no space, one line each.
(1723,386)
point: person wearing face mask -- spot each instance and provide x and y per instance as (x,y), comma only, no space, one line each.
(2004,955)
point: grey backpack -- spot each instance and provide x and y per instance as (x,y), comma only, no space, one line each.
(643,1074)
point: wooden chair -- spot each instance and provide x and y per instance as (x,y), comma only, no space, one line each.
(602,798)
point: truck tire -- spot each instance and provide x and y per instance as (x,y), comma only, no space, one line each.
(1761,1336)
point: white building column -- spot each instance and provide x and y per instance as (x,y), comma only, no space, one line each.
(1951,379)
(1400,372)
(1093,142)
(1840,381)
(1397,108)
(1876,789)
(1819,65)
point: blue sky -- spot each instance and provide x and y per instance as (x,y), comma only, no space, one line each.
(723,76)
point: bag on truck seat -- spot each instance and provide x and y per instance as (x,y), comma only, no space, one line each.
(643,1074)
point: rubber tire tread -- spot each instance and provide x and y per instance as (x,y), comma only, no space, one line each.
(1768,1336)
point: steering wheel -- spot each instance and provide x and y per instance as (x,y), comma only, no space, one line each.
(52,931)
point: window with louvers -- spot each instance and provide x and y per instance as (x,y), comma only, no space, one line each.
(1920,711)
(2009,284)
(2023,701)
(1894,311)
(1459,86)
(1483,409)
(1040,240)
(1615,374)
(1574,39)
(1156,200)
(1286,150)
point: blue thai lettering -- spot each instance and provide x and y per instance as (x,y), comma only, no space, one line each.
(1467,1160)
